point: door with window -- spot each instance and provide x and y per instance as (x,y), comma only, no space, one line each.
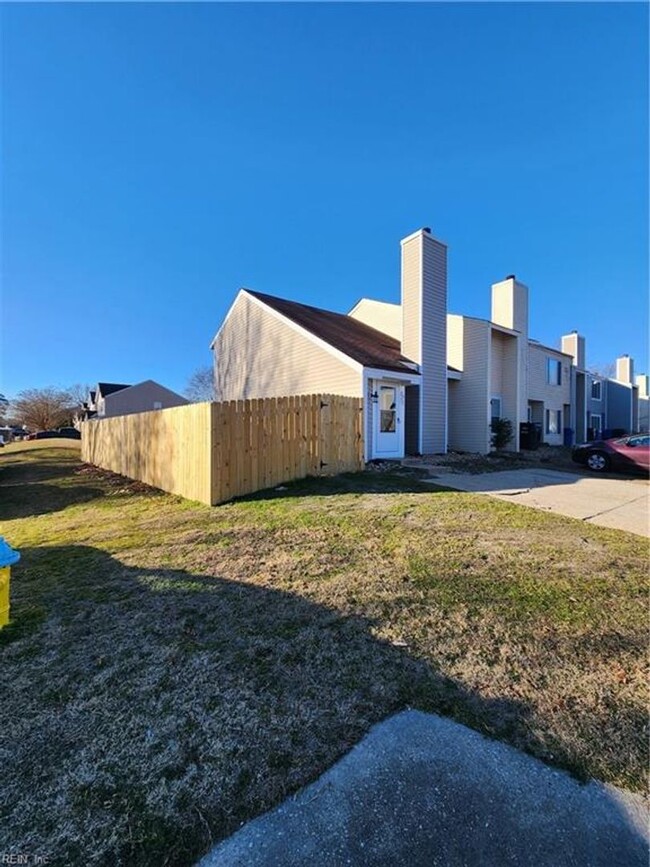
(388,421)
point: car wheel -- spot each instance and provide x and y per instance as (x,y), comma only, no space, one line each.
(598,462)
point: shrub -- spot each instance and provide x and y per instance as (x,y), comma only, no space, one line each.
(501,432)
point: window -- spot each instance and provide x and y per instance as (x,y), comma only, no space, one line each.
(553,421)
(596,389)
(157,404)
(387,406)
(495,408)
(596,424)
(553,371)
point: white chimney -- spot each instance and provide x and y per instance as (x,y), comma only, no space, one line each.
(510,310)
(642,383)
(424,331)
(574,344)
(625,369)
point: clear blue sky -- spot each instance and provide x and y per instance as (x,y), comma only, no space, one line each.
(158,157)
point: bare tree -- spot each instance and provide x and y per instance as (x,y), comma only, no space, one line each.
(605,371)
(43,408)
(201,386)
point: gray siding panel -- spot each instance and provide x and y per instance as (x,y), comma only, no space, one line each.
(619,406)
(141,398)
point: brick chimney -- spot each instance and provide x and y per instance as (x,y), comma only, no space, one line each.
(424,331)
(641,381)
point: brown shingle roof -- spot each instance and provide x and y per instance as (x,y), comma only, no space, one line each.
(355,339)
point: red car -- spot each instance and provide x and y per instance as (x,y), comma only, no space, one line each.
(622,453)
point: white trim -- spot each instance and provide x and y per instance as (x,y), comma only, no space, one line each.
(227,316)
(382,373)
(418,232)
(400,420)
(367,408)
(323,344)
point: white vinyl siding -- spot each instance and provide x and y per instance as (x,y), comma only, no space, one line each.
(381,315)
(257,354)
(553,397)
(424,340)
(469,397)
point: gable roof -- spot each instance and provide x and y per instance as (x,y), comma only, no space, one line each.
(106,388)
(358,341)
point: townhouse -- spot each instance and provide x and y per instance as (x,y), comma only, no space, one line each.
(431,380)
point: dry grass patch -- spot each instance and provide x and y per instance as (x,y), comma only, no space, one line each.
(172,670)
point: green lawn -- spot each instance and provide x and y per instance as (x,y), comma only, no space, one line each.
(172,670)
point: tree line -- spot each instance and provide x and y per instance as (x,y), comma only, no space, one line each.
(42,408)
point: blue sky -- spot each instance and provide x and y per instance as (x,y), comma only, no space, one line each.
(158,157)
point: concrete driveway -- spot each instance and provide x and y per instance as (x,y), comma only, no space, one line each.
(621,503)
(423,791)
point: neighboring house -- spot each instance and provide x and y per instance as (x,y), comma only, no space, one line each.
(430,380)
(622,403)
(111,399)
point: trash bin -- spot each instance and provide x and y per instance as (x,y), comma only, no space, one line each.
(568,436)
(7,558)
(529,435)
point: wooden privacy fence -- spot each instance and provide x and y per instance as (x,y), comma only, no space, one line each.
(213,452)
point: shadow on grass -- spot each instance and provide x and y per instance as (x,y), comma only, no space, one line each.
(27,501)
(147,713)
(401,480)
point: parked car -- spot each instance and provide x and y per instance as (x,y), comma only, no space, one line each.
(44,435)
(623,453)
(69,433)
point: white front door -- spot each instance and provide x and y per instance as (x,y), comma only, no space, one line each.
(388,421)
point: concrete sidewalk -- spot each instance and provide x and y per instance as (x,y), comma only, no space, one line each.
(621,503)
(420,791)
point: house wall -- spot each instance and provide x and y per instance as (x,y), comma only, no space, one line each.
(469,397)
(599,407)
(258,354)
(381,315)
(141,398)
(579,398)
(424,331)
(504,379)
(619,406)
(644,414)
(553,397)
(643,384)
